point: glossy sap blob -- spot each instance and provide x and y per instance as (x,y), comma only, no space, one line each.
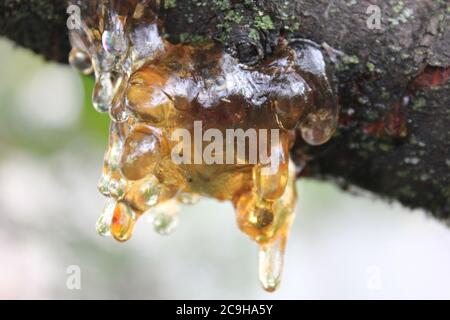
(153,90)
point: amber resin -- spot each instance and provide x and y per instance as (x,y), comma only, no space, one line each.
(152,88)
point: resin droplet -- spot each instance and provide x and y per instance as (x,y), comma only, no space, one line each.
(150,191)
(271,261)
(141,153)
(118,111)
(103,184)
(103,93)
(145,99)
(270,180)
(112,157)
(118,188)
(188,198)
(123,221)
(80,61)
(104,222)
(288,112)
(114,42)
(108,87)
(319,127)
(165,217)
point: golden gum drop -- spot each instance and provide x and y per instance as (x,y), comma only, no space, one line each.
(246,215)
(249,210)
(144,194)
(144,96)
(270,187)
(152,88)
(141,153)
(123,221)
(288,111)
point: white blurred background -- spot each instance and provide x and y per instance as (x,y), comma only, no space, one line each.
(51,148)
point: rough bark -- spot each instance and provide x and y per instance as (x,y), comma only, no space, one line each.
(393,83)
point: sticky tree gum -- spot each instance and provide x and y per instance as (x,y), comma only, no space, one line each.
(152,89)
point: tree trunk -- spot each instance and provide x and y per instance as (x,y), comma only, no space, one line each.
(393,82)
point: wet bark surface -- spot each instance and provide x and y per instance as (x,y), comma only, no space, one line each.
(392,83)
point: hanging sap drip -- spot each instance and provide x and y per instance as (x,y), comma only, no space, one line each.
(123,221)
(80,61)
(165,217)
(271,262)
(104,222)
(172,107)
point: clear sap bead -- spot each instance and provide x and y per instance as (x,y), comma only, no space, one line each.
(103,184)
(118,188)
(150,191)
(118,112)
(114,39)
(319,126)
(103,225)
(103,93)
(165,224)
(80,61)
(114,155)
(165,217)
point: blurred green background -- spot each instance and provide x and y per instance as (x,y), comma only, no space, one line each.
(52,143)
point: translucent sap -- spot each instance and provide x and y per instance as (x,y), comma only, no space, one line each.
(152,88)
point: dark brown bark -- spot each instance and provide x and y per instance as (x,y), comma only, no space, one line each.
(393,84)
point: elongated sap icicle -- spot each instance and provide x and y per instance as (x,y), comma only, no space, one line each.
(271,260)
